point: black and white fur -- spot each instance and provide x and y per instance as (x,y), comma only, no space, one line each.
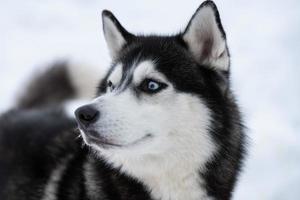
(182,141)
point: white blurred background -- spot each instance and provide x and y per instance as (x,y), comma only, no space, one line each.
(264,41)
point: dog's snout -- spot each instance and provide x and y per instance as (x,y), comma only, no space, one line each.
(86,115)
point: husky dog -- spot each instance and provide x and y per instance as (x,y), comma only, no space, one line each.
(164,124)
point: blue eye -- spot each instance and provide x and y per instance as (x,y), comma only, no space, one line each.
(151,86)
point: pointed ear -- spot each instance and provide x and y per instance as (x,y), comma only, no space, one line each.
(115,34)
(206,39)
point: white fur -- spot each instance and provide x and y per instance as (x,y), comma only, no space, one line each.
(113,37)
(169,161)
(52,184)
(204,28)
(170,165)
(144,70)
(116,75)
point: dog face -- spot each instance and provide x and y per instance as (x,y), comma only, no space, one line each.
(156,98)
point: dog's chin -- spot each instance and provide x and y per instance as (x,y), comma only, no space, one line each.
(93,138)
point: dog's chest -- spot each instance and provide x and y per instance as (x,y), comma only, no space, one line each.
(175,185)
(168,188)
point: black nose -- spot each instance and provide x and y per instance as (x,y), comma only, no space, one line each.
(86,115)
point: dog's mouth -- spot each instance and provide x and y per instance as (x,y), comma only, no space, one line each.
(93,138)
(99,141)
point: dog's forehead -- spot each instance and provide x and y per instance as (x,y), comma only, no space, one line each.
(136,71)
(146,68)
(124,74)
(160,58)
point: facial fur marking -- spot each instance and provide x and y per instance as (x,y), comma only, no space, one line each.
(144,69)
(124,75)
(116,75)
(127,75)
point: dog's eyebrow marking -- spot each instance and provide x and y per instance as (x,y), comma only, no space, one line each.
(116,75)
(134,72)
(127,74)
(146,69)
(143,69)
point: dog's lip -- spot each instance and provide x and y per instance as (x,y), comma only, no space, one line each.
(145,137)
(91,136)
(103,142)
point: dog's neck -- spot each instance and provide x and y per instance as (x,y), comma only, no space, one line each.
(167,177)
(165,180)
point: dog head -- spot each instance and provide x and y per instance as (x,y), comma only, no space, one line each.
(156,98)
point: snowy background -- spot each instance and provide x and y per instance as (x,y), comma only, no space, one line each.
(264,39)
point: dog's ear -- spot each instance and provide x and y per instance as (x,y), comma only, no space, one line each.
(115,34)
(205,37)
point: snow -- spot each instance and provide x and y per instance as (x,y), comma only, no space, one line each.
(264,44)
